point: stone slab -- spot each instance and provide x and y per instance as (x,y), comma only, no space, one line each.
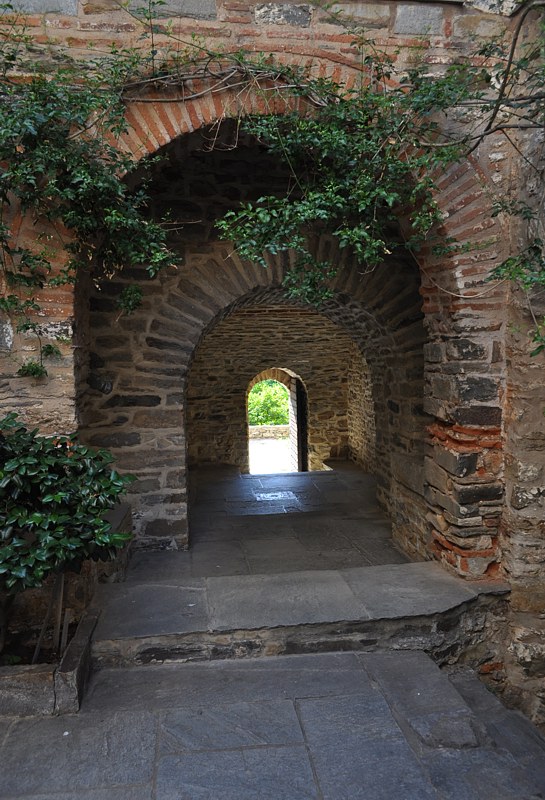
(151,609)
(67,7)
(330,726)
(132,792)
(224,558)
(404,590)
(355,718)
(280,773)
(247,724)
(194,9)
(66,754)
(163,566)
(27,690)
(480,775)
(419,20)
(378,769)
(223,682)
(264,601)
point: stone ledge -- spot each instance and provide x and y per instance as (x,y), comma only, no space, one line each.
(46,689)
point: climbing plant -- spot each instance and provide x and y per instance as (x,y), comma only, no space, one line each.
(61,166)
(359,156)
(368,154)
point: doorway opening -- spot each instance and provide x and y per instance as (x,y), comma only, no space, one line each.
(277,414)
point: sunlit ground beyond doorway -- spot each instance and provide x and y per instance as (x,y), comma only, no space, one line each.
(270,456)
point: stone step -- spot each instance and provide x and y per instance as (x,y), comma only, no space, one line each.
(406,606)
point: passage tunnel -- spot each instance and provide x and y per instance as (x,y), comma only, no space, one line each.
(165,388)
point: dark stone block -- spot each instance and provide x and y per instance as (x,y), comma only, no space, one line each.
(478,492)
(115,439)
(487,416)
(152,500)
(96,361)
(466,350)
(393,406)
(102,304)
(478,389)
(458,464)
(100,384)
(164,344)
(166,527)
(433,352)
(109,342)
(130,400)
(145,485)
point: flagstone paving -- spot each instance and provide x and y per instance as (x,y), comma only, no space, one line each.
(269,552)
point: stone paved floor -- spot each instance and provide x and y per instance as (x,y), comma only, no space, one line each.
(336,726)
(373,726)
(267,524)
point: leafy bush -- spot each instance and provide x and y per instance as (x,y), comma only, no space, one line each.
(53,497)
(268,404)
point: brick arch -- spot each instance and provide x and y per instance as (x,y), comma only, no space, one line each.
(462,190)
(463,405)
(281,374)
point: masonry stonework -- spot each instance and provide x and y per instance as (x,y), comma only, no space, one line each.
(435,391)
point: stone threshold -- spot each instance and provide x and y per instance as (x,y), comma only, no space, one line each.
(409,607)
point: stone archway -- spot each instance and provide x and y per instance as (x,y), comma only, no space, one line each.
(297,411)
(463,375)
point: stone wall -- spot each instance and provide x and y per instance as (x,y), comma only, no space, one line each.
(361,414)
(247,342)
(464,398)
(269,431)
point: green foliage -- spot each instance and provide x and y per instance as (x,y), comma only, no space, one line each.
(53,497)
(362,157)
(130,298)
(359,160)
(32,369)
(268,404)
(59,160)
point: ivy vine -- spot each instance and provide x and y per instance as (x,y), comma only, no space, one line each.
(359,156)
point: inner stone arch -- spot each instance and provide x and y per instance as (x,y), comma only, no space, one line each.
(244,344)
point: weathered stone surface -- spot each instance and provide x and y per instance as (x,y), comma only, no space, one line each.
(69,754)
(419,19)
(371,13)
(488,416)
(118,439)
(27,690)
(65,7)
(167,528)
(481,389)
(283,14)
(195,9)
(129,401)
(458,464)
(6,335)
